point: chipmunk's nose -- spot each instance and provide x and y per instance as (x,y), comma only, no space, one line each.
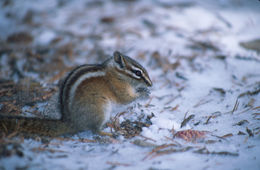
(148,81)
(150,84)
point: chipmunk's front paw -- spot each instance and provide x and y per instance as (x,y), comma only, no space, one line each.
(143,92)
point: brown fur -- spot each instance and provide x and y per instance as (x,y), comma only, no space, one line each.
(90,105)
(44,127)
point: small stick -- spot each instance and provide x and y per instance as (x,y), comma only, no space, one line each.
(235,106)
(186,120)
(147,138)
(118,163)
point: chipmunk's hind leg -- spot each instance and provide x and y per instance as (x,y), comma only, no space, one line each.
(87,117)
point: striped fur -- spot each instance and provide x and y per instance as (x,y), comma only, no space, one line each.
(73,79)
(86,97)
(131,66)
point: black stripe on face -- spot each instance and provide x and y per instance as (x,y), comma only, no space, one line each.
(137,73)
(147,82)
(140,74)
(144,75)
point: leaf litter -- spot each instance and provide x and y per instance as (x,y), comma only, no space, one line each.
(208,68)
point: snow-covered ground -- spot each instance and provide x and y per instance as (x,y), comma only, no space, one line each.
(192,53)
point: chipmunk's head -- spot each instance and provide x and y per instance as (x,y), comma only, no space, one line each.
(133,73)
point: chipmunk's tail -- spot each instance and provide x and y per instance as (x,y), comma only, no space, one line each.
(45,127)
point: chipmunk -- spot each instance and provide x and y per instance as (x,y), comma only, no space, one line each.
(87,96)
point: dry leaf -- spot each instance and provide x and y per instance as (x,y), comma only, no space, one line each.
(190,135)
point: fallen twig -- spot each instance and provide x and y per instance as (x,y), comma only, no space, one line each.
(227,135)
(235,106)
(207,152)
(40,149)
(147,138)
(118,164)
(169,151)
(207,121)
(158,151)
(186,120)
(202,102)
(250,133)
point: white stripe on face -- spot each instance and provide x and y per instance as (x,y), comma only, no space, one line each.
(142,73)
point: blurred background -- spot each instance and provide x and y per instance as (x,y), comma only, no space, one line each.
(41,40)
(203,57)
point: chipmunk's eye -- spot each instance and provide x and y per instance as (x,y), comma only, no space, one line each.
(138,73)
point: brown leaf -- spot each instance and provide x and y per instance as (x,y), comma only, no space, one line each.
(190,135)
(20,37)
(175,108)
(107,20)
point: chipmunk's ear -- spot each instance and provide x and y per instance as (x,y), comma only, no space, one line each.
(119,59)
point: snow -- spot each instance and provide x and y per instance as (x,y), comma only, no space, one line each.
(46,37)
(174,28)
